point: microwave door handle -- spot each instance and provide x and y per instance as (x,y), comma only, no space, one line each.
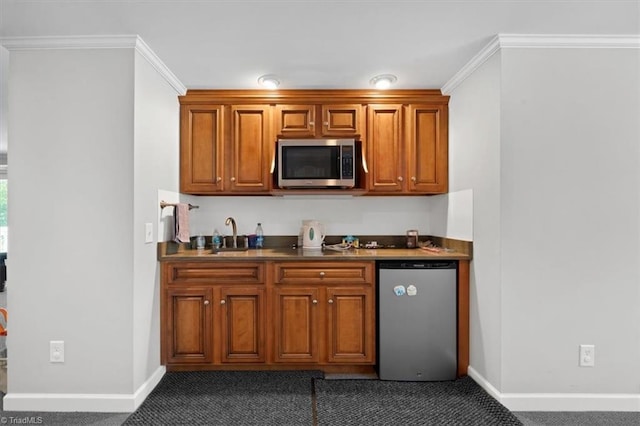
(364,163)
(273,162)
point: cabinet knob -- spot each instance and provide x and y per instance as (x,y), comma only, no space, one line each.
(413,179)
(314,301)
(322,274)
(330,301)
(326,123)
(311,124)
(400,179)
(218,179)
(233,179)
(222,302)
(206,302)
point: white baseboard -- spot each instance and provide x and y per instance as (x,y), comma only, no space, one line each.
(559,401)
(95,403)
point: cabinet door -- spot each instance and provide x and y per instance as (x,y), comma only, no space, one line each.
(296,324)
(188,334)
(251,148)
(201,149)
(350,325)
(385,154)
(341,120)
(295,120)
(427,148)
(242,320)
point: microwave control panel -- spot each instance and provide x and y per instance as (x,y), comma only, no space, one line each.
(347,162)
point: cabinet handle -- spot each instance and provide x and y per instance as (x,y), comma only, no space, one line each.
(206,302)
(311,124)
(413,179)
(222,302)
(218,179)
(400,179)
(314,301)
(233,179)
(322,274)
(330,301)
(326,123)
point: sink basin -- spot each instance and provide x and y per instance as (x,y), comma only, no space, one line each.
(226,249)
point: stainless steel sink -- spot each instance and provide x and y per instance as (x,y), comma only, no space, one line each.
(226,249)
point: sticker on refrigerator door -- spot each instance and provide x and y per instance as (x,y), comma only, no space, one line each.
(412,290)
(399,290)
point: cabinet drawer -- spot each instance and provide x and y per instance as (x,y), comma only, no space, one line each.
(323,272)
(215,273)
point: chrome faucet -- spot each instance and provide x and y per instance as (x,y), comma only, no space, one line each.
(232,221)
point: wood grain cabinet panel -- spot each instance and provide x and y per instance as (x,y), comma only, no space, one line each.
(252,148)
(201,149)
(427,148)
(188,325)
(213,313)
(384,148)
(324,312)
(296,324)
(322,120)
(242,319)
(350,325)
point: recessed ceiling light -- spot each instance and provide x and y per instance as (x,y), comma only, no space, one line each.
(269,81)
(383,81)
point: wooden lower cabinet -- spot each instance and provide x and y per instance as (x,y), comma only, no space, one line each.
(219,314)
(324,312)
(213,313)
(188,325)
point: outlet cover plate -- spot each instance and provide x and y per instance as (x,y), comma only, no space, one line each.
(56,351)
(587,356)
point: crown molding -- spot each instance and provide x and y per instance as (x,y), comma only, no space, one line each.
(539,41)
(96,42)
(480,58)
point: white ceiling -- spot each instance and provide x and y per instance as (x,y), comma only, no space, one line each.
(314,44)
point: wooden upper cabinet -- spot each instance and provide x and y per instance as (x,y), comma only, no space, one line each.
(309,121)
(228,137)
(295,121)
(427,148)
(385,156)
(201,149)
(252,148)
(407,149)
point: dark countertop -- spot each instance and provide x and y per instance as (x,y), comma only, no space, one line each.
(448,249)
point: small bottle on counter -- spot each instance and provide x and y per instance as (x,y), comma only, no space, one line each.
(259,236)
(216,239)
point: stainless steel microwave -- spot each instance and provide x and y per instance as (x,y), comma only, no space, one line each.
(316,163)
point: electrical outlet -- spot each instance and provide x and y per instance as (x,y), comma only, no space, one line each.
(148,233)
(587,356)
(56,351)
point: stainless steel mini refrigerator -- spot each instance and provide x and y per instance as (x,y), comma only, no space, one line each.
(417,320)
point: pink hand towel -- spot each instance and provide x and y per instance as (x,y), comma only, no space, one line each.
(181,216)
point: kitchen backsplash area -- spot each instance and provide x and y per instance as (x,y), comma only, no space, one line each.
(447,215)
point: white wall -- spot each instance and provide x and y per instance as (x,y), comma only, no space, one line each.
(570,206)
(474,163)
(71,204)
(283,215)
(4,99)
(156,167)
(548,139)
(94,144)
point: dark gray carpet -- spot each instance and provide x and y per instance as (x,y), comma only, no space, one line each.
(229,398)
(375,402)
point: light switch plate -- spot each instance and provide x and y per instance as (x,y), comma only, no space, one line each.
(148,233)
